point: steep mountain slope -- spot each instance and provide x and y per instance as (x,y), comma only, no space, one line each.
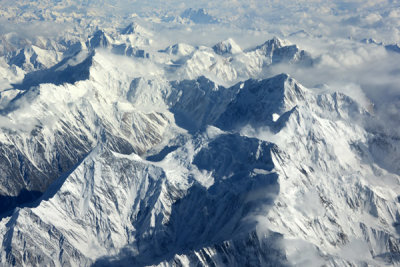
(158,133)
(284,177)
(67,121)
(88,96)
(227,64)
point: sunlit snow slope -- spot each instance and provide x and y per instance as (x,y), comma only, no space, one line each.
(118,150)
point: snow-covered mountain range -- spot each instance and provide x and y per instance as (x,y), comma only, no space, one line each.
(117,149)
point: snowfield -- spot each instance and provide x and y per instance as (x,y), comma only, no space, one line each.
(196,136)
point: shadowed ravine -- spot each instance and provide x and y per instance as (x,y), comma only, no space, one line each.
(206,218)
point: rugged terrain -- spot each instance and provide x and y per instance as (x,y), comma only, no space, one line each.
(118,151)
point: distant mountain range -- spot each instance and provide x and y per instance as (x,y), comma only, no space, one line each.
(114,152)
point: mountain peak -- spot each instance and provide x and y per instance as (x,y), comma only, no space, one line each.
(259,100)
(99,39)
(69,70)
(200,16)
(131,28)
(371,41)
(271,44)
(135,28)
(228,46)
(393,48)
(179,49)
(280,51)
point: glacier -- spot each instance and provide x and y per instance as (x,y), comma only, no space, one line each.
(118,148)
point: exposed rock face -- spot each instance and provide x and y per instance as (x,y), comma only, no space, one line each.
(116,150)
(283,168)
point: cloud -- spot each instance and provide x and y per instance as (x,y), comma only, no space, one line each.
(32,29)
(332,30)
(364,72)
